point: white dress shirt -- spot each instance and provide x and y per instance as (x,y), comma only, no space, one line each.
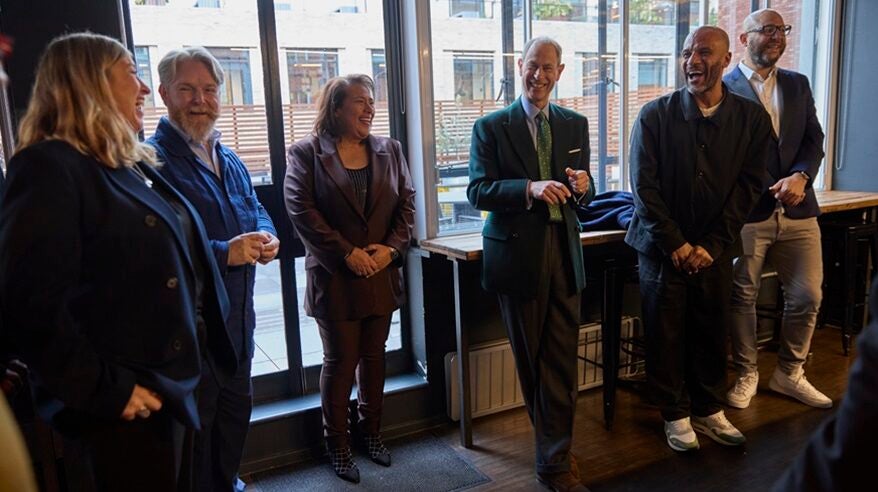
(767,91)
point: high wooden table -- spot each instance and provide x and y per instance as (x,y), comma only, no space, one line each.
(468,248)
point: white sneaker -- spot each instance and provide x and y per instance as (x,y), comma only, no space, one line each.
(718,428)
(680,435)
(745,388)
(796,386)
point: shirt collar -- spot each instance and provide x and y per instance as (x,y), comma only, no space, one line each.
(750,73)
(211,140)
(691,111)
(531,111)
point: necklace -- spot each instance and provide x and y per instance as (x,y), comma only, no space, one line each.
(140,173)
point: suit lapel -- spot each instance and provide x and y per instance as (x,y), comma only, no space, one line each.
(522,142)
(133,186)
(379,159)
(788,100)
(332,164)
(741,86)
(560,141)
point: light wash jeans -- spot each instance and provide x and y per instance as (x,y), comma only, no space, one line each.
(793,248)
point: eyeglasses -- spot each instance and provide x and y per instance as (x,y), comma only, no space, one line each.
(770,29)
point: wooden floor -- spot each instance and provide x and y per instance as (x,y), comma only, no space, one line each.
(634,455)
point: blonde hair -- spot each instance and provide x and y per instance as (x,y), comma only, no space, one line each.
(72,101)
(332,97)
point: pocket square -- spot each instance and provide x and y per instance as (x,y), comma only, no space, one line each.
(573,151)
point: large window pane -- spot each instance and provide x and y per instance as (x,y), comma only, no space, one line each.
(229,29)
(467,68)
(144,71)
(309,70)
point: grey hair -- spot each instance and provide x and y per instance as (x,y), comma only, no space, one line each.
(170,62)
(540,40)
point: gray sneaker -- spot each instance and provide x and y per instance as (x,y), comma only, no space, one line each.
(718,428)
(680,435)
(796,386)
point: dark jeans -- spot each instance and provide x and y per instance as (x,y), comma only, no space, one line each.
(352,348)
(544,334)
(686,318)
(225,420)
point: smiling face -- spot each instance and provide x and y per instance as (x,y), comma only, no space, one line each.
(540,70)
(128,91)
(355,114)
(192,99)
(764,51)
(704,57)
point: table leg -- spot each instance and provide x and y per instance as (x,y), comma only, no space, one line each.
(611,330)
(463,380)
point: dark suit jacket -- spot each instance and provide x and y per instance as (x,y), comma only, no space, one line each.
(800,145)
(502,161)
(323,207)
(838,456)
(228,207)
(98,289)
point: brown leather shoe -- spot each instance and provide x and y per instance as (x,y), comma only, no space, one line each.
(561,482)
(574,467)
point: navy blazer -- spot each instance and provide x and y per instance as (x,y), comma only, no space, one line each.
(98,288)
(502,161)
(229,207)
(323,207)
(799,145)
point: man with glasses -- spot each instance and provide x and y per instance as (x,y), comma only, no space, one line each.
(782,230)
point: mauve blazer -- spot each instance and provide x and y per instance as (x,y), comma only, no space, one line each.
(323,207)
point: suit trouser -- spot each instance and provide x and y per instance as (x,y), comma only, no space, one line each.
(793,247)
(225,418)
(685,317)
(352,349)
(544,334)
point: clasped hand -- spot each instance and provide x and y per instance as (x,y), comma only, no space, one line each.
(370,260)
(556,193)
(250,247)
(691,259)
(790,190)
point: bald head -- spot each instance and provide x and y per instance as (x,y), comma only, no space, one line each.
(759,18)
(763,50)
(708,34)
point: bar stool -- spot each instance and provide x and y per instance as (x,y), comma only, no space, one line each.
(858,254)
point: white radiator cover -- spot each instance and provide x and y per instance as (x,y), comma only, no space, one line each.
(494,379)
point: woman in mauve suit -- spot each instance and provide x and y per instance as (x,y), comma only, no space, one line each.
(350,197)
(108,288)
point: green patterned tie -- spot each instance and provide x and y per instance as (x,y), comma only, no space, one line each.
(544,153)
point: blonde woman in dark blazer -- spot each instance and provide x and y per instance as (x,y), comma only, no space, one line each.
(350,197)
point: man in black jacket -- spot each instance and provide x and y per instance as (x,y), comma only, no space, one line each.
(697,166)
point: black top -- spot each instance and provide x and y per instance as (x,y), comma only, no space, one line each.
(695,179)
(360,178)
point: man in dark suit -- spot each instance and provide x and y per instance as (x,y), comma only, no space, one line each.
(697,165)
(783,228)
(528,169)
(215,180)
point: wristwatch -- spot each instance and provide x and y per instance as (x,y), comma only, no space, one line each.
(394,254)
(804,175)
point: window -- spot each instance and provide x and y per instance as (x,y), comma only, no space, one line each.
(237,88)
(159,3)
(467,8)
(591,74)
(141,57)
(308,71)
(379,75)
(473,76)
(208,4)
(285,6)
(652,70)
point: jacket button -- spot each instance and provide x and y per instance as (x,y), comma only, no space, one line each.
(700,174)
(172,283)
(150,220)
(514,235)
(177,345)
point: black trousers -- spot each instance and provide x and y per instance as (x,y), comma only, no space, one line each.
(686,318)
(139,455)
(225,418)
(544,333)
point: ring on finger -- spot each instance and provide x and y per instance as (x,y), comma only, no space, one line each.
(143,412)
